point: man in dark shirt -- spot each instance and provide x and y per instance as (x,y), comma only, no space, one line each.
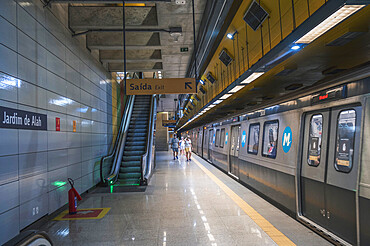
(175,147)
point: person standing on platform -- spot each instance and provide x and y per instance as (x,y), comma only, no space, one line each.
(182,146)
(188,148)
(175,147)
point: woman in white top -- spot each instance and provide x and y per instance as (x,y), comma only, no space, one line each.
(188,148)
(182,146)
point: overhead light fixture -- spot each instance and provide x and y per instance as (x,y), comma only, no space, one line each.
(217,102)
(231,35)
(252,77)
(202,82)
(328,23)
(236,88)
(226,96)
(191,100)
(211,106)
(295,47)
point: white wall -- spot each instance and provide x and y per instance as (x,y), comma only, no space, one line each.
(55,75)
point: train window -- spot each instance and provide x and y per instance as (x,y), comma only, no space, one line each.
(222,141)
(217,143)
(345,141)
(270,136)
(253,138)
(314,141)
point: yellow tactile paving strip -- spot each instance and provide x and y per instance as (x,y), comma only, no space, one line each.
(278,237)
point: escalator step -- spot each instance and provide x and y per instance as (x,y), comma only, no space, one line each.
(129,175)
(130,164)
(131,158)
(133,153)
(135,142)
(137,130)
(134,148)
(145,127)
(129,169)
(128,181)
(139,134)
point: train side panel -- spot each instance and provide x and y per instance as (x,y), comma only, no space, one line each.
(273,177)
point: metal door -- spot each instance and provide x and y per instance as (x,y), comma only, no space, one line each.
(315,143)
(199,144)
(234,151)
(330,169)
(210,143)
(205,144)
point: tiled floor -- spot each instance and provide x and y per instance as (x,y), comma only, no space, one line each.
(181,206)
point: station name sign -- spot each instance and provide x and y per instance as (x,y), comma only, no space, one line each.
(20,119)
(160,86)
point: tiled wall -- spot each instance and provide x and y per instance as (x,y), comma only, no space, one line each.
(44,70)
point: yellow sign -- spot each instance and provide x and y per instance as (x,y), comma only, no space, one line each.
(160,86)
(74,126)
(168,123)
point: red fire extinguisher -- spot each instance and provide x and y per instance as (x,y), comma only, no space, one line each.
(73,196)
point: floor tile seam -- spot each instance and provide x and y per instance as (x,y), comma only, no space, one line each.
(277,236)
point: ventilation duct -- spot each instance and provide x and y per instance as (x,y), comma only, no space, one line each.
(255,15)
(225,57)
(211,78)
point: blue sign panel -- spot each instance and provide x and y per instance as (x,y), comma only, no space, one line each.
(287,139)
(214,138)
(226,138)
(244,138)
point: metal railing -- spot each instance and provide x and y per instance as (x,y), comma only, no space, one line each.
(118,150)
(147,159)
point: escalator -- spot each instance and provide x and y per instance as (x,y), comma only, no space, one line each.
(132,160)
(130,171)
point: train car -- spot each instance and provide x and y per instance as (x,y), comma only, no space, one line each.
(307,155)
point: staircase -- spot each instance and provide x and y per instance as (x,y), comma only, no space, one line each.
(130,170)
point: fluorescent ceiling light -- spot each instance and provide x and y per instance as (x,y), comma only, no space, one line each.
(236,88)
(330,22)
(225,96)
(218,101)
(211,106)
(295,47)
(252,77)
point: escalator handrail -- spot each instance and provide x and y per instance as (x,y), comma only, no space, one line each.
(113,150)
(144,157)
(122,134)
(27,237)
(151,150)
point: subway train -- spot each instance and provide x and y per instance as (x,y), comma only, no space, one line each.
(308,155)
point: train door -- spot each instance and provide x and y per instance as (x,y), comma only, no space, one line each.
(234,151)
(330,169)
(205,144)
(199,145)
(210,143)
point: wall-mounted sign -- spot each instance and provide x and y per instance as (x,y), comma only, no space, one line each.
(74,126)
(184,49)
(160,86)
(20,119)
(57,124)
(169,123)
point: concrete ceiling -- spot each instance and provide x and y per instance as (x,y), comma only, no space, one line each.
(149,44)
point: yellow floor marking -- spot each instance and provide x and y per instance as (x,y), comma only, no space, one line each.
(99,216)
(278,237)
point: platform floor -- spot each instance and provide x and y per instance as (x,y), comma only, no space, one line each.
(183,205)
